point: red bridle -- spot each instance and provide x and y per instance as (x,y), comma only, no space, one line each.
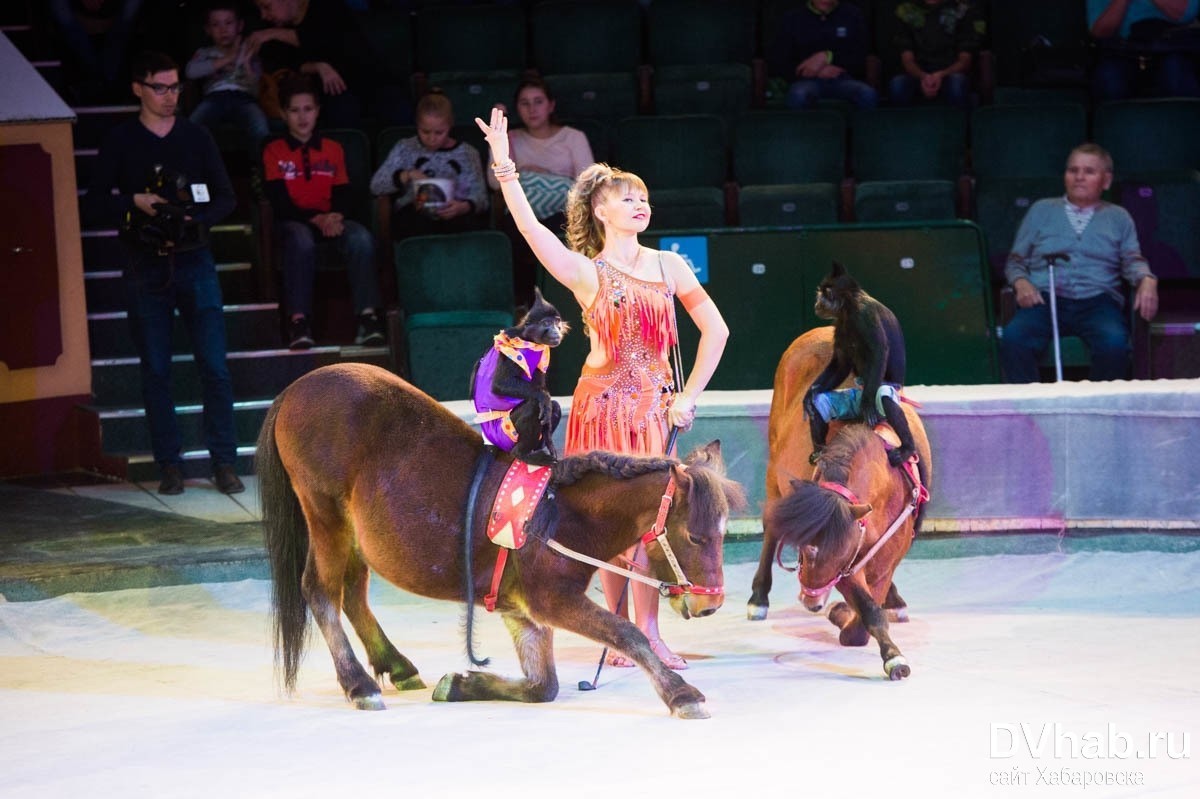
(658,532)
(919,495)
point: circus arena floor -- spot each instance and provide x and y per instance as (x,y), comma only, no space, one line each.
(1042,666)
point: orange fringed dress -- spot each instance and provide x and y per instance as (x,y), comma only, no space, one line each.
(622,407)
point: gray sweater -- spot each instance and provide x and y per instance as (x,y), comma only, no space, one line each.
(459,163)
(1105,252)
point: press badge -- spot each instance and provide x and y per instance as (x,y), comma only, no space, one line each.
(199,192)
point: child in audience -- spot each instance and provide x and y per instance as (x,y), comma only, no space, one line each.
(229,74)
(421,168)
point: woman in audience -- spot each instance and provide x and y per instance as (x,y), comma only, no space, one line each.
(550,156)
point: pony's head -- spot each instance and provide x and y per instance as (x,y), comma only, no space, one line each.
(825,524)
(696,524)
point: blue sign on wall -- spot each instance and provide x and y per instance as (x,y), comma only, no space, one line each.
(693,250)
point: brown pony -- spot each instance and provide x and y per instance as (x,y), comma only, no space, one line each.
(823,521)
(358,470)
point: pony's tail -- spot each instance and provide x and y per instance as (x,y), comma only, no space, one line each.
(286,537)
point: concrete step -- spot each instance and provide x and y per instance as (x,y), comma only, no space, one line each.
(116,382)
(231,242)
(247,327)
(104,290)
(94,121)
(124,431)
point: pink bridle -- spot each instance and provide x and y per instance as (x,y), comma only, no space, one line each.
(658,532)
(919,495)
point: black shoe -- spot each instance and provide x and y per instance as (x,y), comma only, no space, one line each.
(300,336)
(370,330)
(227,480)
(172,480)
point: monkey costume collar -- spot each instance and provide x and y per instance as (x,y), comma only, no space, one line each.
(525,354)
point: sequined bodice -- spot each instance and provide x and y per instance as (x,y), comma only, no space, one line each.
(631,317)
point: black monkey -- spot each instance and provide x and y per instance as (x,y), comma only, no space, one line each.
(868,341)
(508,385)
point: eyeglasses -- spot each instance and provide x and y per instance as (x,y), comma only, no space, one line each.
(161,88)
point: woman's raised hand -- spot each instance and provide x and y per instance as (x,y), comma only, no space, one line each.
(496,134)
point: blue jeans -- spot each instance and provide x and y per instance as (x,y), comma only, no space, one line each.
(237,108)
(154,290)
(108,64)
(1099,321)
(1115,76)
(355,249)
(904,89)
(805,92)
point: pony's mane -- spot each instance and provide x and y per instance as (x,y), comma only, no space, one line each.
(839,453)
(810,513)
(572,469)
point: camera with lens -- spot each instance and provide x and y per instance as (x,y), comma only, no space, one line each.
(172,228)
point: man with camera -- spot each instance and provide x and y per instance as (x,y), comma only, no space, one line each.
(160,180)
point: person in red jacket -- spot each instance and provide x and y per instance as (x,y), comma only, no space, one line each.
(309,190)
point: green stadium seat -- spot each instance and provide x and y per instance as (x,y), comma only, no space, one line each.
(789,166)
(1039,43)
(605,96)
(683,161)
(908,163)
(1166,210)
(1150,136)
(459,272)
(443,347)
(471,39)
(702,53)
(904,200)
(1025,141)
(556,29)
(473,94)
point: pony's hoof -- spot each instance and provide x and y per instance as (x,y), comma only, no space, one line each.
(369,702)
(692,710)
(897,668)
(444,692)
(897,615)
(756,612)
(413,683)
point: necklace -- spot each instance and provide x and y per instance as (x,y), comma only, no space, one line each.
(628,269)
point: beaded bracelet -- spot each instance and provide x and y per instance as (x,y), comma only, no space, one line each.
(506,171)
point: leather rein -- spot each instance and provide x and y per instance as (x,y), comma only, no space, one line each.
(658,533)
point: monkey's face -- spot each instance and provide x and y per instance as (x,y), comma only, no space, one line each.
(548,330)
(828,301)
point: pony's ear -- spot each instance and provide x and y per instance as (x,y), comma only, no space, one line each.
(709,454)
(712,450)
(838,270)
(859,511)
(683,480)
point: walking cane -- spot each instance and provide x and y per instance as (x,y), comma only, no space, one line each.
(584,685)
(1050,259)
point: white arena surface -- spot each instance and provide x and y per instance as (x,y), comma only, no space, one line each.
(1066,671)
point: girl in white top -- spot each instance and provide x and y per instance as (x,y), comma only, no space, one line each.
(550,157)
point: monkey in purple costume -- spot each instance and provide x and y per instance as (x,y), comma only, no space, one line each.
(514,408)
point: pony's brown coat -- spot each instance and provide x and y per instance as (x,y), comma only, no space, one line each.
(359,470)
